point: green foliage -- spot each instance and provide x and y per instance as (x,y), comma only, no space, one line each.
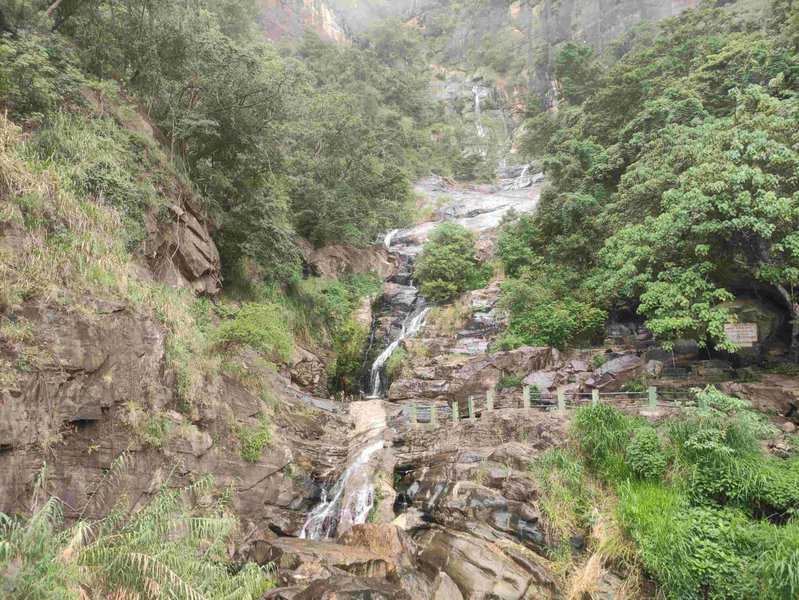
(544,312)
(171,547)
(254,439)
(37,72)
(349,342)
(509,382)
(261,326)
(577,71)
(396,363)
(717,520)
(447,265)
(603,433)
(102,162)
(645,454)
(568,497)
(673,172)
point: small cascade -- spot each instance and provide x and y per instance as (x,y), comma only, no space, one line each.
(323,521)
(413,323)
(390,238)
(479,93)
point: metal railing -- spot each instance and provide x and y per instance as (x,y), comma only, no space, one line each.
(477,406)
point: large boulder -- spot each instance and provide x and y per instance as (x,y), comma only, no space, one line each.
(616,372)
(180,252)
(481,569)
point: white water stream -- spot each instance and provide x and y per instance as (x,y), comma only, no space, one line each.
(336,506)
(412,325)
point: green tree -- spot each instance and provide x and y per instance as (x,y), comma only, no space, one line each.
(447,265)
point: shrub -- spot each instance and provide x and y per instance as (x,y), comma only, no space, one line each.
(447,265)
(396,363)
(603,433)
(645,454)
(508,382)
(37,73)
(262,326)
(544,312)
(254,439)
(348,344)
(693,552)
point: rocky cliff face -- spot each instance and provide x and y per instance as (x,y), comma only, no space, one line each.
(290,18)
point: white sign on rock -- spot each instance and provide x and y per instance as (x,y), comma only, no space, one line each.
(743,335)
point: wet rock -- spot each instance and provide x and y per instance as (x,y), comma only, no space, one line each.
(399,297)
(483,570)
(342,587)
(299,560)
(336,261)
(445,589)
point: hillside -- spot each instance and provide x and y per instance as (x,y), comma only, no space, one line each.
(419,300)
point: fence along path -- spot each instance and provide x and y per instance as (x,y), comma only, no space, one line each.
(531,399)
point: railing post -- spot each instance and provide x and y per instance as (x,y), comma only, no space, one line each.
(413,415)
(594,396)
(433,418)
(456,409)
(561,400)
(490,400)
(470,407)
(653,396)
(526,397)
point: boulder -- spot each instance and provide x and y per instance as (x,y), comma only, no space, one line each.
(482,373)
(614,373)
(383,539)
(481,569)
(181,252)
(308,371)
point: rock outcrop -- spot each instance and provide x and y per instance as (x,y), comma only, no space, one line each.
(180,251)
(96,402)
(340,260)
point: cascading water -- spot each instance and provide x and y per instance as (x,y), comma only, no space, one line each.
(323,521)
(479,93)
(413,323)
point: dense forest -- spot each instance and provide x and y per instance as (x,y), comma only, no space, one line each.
(669,192)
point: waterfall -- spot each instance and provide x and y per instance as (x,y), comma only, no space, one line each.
(413,323)
(322,522)
(479,94)
(389,238)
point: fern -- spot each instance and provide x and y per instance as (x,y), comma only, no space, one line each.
(169,548)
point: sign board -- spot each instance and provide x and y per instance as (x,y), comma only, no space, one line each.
(742,334)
